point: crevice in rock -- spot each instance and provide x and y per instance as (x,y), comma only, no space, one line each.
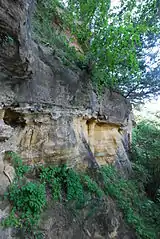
(14,119)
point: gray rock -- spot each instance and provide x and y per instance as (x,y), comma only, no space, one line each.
(4,183)
(5,132)
(122,162)
(1,163)
(9,171)
(5,233)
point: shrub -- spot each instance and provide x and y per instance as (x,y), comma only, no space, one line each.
(28,201)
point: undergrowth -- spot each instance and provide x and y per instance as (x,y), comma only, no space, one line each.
(58,183)
(140,212)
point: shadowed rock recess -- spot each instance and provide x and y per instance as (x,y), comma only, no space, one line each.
(50,114)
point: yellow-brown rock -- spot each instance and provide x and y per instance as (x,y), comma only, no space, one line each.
(48,140)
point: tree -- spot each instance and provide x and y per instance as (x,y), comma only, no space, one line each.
(146,154)
(149,85)
(118,37)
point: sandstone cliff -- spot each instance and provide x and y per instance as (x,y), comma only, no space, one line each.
(51,114)
(51,107)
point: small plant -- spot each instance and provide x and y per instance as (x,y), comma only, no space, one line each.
(92,186)
(52,176)
(12,220)
(75,190)
(17,162)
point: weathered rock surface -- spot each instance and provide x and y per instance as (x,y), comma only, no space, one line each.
(7,172)
(50,114)
(4,183)
(5,233)
(15,38)
(51,107)
(56,135)
(103,221)
(5,131)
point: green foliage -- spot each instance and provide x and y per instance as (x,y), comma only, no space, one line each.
(140,212)
(115,37)
(44,32)
(17,162)
(92,186)
(28,200)
(52,176)
(146,154)
(89,15)
(74,187)
(74,184)
(12,220)
(112,39)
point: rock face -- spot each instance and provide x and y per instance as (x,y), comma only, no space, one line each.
(106,222)
(54,112)
(7,172)
(55,134)
(50,114)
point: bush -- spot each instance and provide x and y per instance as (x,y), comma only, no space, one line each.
(72,183)
(28,201)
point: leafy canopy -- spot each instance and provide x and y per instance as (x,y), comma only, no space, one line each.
(117,36)
(113,40)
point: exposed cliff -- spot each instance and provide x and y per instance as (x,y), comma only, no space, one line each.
(50,113)
(52,107)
